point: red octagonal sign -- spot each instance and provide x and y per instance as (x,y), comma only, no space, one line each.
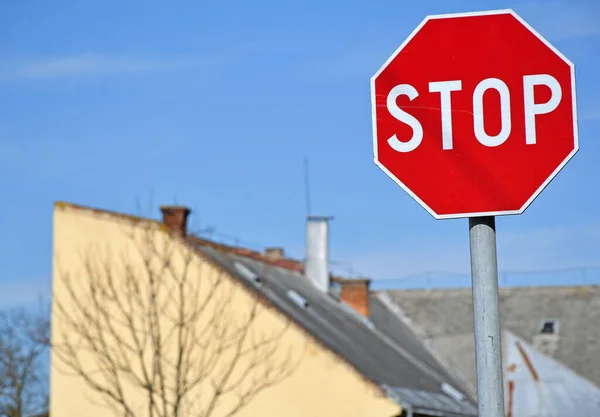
(474,114)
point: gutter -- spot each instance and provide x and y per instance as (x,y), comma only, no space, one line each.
(427,408)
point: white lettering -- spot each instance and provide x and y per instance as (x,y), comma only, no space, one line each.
(401,115)
(478,121)
(531,108)
(445,88)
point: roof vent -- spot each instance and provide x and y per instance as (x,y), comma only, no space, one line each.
(549,326)
(546,341)
(247,273)
(297,298)
(452,392)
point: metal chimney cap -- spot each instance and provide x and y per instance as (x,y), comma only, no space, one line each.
(319,218)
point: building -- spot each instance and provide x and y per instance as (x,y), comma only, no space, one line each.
(556,321)
(536,385)
(555,325)
(148,319)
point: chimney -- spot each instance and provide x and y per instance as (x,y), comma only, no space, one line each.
(316,267)
(175,218)
(274,253)
(355,293)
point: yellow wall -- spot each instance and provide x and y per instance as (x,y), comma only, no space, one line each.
(100,245)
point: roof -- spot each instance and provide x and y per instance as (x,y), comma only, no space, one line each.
(538,385)
(445,317)
(382,349)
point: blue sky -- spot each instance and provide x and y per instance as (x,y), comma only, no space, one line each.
(215,104)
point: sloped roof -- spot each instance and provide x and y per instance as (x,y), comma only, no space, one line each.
(537,385)
(396,362)
(446,317)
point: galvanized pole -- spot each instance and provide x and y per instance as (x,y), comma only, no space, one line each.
(488,346)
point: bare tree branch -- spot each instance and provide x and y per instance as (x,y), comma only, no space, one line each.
(23,380)
(157,333)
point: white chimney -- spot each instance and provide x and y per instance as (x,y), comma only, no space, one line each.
(316,267)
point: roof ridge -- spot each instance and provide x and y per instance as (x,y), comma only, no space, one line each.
(124,216)
(287,263)
(509,289)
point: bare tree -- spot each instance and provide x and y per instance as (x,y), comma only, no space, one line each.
(23,373)
(156,333)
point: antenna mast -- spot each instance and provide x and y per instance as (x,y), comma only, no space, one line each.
(306,186)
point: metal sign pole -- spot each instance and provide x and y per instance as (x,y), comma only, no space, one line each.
(488,346)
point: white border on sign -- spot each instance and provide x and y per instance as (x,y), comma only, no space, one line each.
(548,180)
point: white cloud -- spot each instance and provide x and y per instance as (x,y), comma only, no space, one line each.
(558,20)
(88,64)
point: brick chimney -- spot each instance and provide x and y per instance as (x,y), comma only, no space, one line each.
(175,218)
(274,253)
(355,293)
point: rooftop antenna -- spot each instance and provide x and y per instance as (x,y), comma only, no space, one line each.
(306,186)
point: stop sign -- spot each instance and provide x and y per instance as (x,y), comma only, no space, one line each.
(474,114)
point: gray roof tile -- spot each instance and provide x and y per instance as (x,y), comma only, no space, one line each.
(446,315)
(395,360)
